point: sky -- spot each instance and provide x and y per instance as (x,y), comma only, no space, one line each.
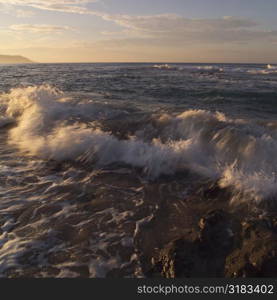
(140,30)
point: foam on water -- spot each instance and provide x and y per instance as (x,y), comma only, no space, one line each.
(271,67)
(210,68)
(267,70)
(164,67)
(238,153)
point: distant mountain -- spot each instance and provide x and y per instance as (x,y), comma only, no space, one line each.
(14,59)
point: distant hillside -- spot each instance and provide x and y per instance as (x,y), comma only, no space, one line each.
(14,59)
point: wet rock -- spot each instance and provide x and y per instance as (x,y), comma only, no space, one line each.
(224,247)
(201,257)
(179,259)
(212,191)
(216,232)
(257,254)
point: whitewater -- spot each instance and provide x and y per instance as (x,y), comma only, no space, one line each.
(89,152)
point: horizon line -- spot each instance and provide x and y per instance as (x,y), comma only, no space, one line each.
(137,62)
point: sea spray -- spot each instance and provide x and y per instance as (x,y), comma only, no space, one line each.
(238,153)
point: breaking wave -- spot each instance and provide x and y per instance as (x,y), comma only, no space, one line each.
(271,67)
(210,68)
(269,70)
(238,153)
(164,67)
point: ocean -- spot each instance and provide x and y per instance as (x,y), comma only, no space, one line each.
(104,164)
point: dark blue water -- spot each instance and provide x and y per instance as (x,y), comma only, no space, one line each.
(237,89)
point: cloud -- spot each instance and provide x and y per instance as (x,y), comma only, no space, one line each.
(38,28)
(46,2)
(175,23)
(149,34)
(66,6)
(23,13)
(171,28)
(20,13)
(175,30)
(163,28)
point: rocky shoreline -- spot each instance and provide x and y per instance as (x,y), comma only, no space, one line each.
(224,242)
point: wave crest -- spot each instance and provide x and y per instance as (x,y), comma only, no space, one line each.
(238,153)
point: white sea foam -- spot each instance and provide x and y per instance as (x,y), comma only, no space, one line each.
(163,67)
(210,68)
(241,154)
(271,67)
